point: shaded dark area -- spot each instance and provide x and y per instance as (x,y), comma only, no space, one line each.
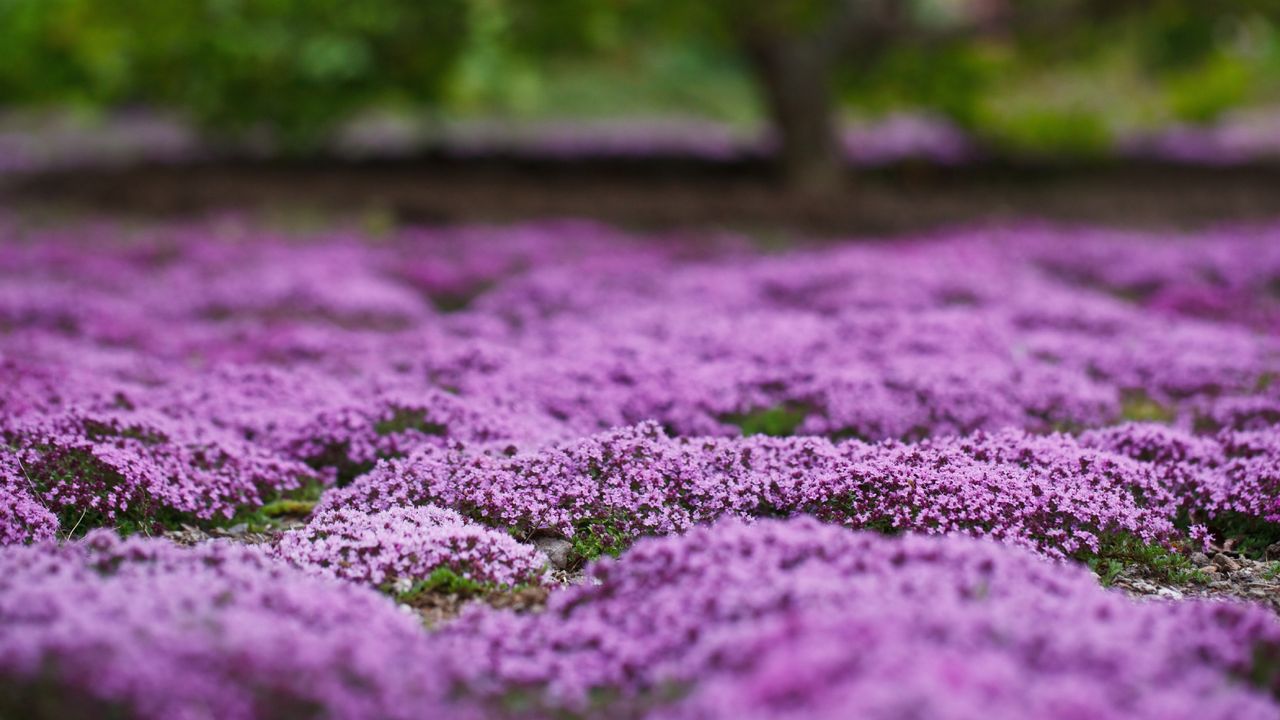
(660,192)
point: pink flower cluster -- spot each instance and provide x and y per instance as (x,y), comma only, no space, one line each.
(449,387)
(771,619)
(22,518)
(144,629)
(804,620)
(1232,472)
(137,464)
(1057,492)
(186,372)
(407,545)
(1231,275)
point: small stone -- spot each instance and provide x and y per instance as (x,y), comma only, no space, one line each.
(1273,551)
(559,551)
(1144,587)
(1225,563)
(1210,570)
(1199,558)
(1169,593)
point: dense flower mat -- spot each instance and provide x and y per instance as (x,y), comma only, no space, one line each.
(792,619)
(454,393)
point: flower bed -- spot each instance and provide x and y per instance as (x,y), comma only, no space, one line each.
(732,425)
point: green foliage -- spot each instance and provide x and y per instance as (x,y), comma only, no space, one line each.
(1264,671)
(1107,569)
(778,421)
(441,580)
(288,507)
(1140,407)
(451,301)
(1204,92)
(884,526)
(660,79)
(337,456)
(1264,382)
(949,79)
(1119,552)
(1252,535)
(403,419)
(275,508)
(294,67)
(596,537)
(47,693)
(1053,131)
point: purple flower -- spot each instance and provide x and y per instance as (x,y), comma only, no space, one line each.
(408,544)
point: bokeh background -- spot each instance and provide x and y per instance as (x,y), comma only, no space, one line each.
(782,95)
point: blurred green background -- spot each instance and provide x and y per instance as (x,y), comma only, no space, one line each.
(1057,76)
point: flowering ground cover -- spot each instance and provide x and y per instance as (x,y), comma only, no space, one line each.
(41,142)
(865,479)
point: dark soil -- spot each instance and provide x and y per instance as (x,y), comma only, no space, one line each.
(672,192)
(436,608)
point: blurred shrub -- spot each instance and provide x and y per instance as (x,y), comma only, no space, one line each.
(950,80)
(1204,92)
(293,66)
(1053,132)
(293,69)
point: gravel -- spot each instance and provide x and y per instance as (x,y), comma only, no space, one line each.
(1229,575)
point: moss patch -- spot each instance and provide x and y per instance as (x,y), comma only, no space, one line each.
(405,419)
(779,421)
(1137,406)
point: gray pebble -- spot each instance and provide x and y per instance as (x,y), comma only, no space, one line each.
(559,551)
(1225,563)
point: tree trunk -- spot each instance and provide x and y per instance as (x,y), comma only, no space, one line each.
(794,77)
